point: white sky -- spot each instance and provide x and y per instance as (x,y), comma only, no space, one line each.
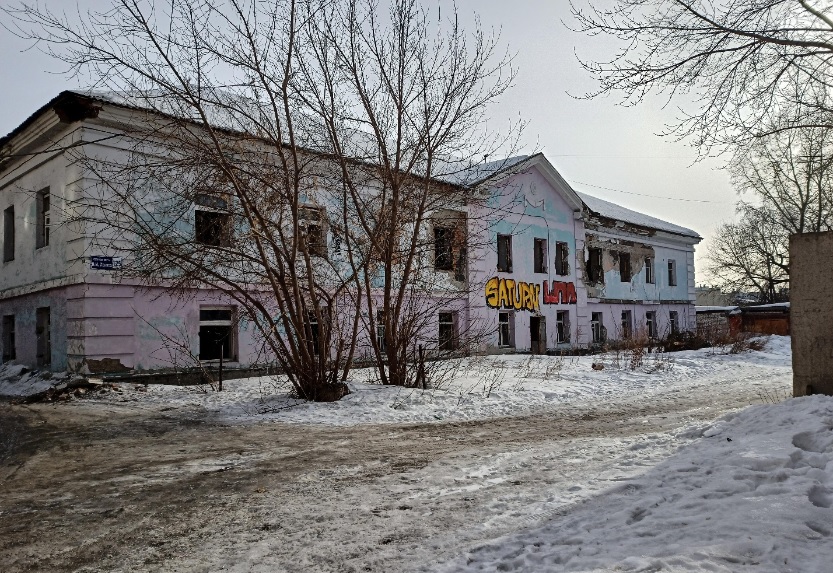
(595,142)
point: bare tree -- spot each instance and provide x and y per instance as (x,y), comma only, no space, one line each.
(745,61)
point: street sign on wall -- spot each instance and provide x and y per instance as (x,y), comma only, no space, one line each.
(105,263)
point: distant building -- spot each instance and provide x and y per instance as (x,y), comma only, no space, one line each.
(565,270)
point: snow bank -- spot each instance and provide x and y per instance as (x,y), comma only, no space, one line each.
(16,381)
(754,493)
(485,387)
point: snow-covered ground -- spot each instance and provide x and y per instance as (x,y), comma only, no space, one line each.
(481,388)
(754,493)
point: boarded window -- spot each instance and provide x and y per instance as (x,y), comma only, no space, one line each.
(649,271)
(212,228)
(506,329)
(217,333)
(597,327)
(8,234)
(9,344)
(651,324)
(539,256)
(44,218)
(562,326)
(595,272)
(447,338)
(672,272)
(43,336)
(562,262)
(504,253)
(443,248)
(625,267)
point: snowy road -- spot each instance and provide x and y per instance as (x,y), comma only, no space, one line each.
(147,487)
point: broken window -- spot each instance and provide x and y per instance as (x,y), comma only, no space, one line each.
(627,324)
(562,263)
(506,329)
(649,271)
(447,338)
(443,248)
(562,326)
(673,322)
(597,327)
(595,272)
(216,333)
(539,256)
(43,336)
(212,228)
(504,253)
(651,323)
(8,234)
(625,267)
(9,345)
(313,229)
(43,218)
(672,272)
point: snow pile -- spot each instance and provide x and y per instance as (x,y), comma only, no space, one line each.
(16,381)
(754,493)
(488,387)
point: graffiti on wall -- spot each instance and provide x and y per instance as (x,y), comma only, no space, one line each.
(518,295)
(511,294)
(560,293)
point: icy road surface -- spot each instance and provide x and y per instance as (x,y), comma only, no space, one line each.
(558,456)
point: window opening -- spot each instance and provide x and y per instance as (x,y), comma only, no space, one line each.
(43,218)
(380,331)
(595,271)
(216,333)
(649,271)
(627,324)
(443,252)
(562,326)
(672,272)
(212,228)
(505,329)
(651,323)
(674,322)
(562,263)
(9,345)
(625,267)
(43,335)
(8,234)
(446,331)
(539,256)
(597,327)
(504,253)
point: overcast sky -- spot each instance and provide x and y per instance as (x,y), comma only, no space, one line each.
(597,145)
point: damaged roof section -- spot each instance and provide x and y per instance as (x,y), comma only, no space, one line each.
(611,213)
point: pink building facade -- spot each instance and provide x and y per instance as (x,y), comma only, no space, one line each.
(548,269)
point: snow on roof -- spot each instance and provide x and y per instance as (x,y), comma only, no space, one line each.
(727,309)
(613,211)
(765,307)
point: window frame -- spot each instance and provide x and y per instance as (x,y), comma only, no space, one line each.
(650,278)
(539,255)
(627,324)
(597,328)
(595,269)
(380,331)
(562,327)
(229,351)
(625,264)
(506,267)
(562,258)
(224,234)
(651,324)
(674,321)
(43,217)
(43,336)
(8,234)
(9,338)
(672,272)
(443,248)
(447,343)
(506,339)
(313,217)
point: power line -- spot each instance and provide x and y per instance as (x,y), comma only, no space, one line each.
(652,196)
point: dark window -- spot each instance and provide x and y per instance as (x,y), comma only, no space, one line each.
(597,327)
(9,345)
(313,229)
(447,338)
(504,253)
(43,218)
(380,330)
(443,251)
(625,267)
(649,270)
(336,244)
(216,334)
(627,324)
(562,326)
(8,234)
(43,336)
(539,256)
(313,332)
(562,259)
(212,228)
(672,272)
(506,328)
(595,271)
(674,322)
(651,324)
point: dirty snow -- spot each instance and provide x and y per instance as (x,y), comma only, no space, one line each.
(484,387)
(16,381)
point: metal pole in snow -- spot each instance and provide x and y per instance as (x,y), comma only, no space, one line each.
(220,373)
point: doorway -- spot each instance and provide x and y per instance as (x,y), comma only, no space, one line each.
(538,334)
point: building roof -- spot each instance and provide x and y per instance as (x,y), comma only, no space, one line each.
(613,211)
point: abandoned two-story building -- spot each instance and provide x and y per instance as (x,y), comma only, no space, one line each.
(551,270)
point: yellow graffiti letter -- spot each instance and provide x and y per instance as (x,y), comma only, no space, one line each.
(492,295)
(502,297)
